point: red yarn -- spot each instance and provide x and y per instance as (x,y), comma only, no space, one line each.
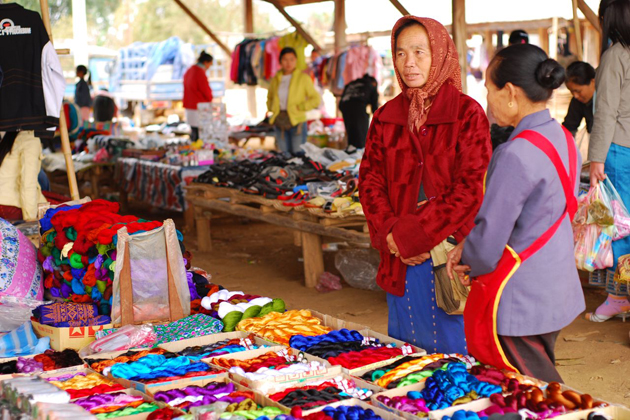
(357,359)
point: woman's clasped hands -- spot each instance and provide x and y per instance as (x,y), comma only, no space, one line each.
(413,261)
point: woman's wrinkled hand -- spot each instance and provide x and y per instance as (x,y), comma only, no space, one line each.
(417,260)
(391,244)
(453,265)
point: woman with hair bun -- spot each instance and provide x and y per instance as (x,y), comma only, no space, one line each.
(518,258)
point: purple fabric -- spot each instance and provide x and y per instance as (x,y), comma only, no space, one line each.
(191,286)
(524,197)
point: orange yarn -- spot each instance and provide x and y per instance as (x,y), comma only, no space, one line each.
(83,382)
(100,366)
(280,327)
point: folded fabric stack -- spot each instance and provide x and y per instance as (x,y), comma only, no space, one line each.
(70,314)
(233,307)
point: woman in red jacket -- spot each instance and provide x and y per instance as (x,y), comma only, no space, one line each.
(421,180)
(196,90)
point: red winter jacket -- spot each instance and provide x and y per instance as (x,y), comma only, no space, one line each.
(196,87)
(449,154)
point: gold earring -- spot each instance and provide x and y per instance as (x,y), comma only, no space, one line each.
(510,104)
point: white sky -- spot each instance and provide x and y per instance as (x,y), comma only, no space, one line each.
(377,15)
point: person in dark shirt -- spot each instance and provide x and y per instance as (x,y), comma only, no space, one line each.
(82,96)
(581,83)
(105,108)
(356,96)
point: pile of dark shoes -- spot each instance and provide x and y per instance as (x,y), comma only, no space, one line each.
(272,175)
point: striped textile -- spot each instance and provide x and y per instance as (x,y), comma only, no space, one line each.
(22,342)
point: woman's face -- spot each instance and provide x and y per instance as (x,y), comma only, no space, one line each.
(413,56)
(583,93)
(499,101)
(288,62)
(207,64)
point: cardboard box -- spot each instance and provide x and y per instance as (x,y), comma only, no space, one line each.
(68,338)
(277,381)
(57,372)
(177,346)
(384,414)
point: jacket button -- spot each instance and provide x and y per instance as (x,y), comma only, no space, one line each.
(420,164)
(424,131)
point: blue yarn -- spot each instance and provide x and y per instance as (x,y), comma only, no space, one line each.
(78,273)
(350,413)
(77,287)
(45,222)
(153,366)
(344,335)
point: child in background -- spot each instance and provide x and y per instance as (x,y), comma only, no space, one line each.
(82,96)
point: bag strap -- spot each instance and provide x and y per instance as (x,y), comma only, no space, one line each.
(567,180)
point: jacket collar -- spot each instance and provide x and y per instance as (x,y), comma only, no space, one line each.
(444,110)
(531,121)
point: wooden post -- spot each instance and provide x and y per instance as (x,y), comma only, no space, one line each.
(543,34)
(488,46)
(578,31)
(459,36)
(340,25)
(400,7)
(204,27)
(296,25)
(248,9)
(311,252)
(204,240)
(553,42)
(63,125)
(589,14)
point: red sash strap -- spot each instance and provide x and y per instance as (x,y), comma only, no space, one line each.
(567,180)
(480,314)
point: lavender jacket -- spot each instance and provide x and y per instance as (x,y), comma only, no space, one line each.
(524,197)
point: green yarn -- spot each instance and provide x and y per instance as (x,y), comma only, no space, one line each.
(75,261)
(129,411)
(56,254)
(88,290)
(230,320)
(46,250)
(102,249)
(101,286)
(414,378)
(71,234)
(276,305)
(251,312)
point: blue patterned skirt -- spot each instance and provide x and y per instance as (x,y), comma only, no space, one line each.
(416,319)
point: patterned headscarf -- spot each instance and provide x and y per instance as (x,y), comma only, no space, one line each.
(444,67)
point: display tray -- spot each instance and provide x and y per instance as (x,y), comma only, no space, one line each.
(277,382)
(384,414)
(177,346)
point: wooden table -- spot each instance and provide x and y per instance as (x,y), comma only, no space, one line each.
(94,180)
(311,226)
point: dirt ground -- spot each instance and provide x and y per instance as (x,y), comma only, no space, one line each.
(261,259)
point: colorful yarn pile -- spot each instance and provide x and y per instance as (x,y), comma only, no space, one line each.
(145,407)
(99,365)
(279,328)
(165,413)
(320,393)
(53,360)
(446,388)
(268,365)
(258,413)
(233,307)
(234,345)
(347,348)
(412,369)
(82,385)
(78,250)
(343,412)
(194,396)
(157,366)
(107,403)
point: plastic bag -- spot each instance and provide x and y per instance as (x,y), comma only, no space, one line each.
(127,337)
(598,248)
(358,267)
(599,207)
(620,213)
(147,255)
(15,311)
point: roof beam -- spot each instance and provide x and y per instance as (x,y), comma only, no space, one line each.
(204,27)
(589,14)
(403,11)
(296,25)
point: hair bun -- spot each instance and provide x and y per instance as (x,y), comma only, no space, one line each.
(550,74)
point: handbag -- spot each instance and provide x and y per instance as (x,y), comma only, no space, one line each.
(450,295)
(282,121)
